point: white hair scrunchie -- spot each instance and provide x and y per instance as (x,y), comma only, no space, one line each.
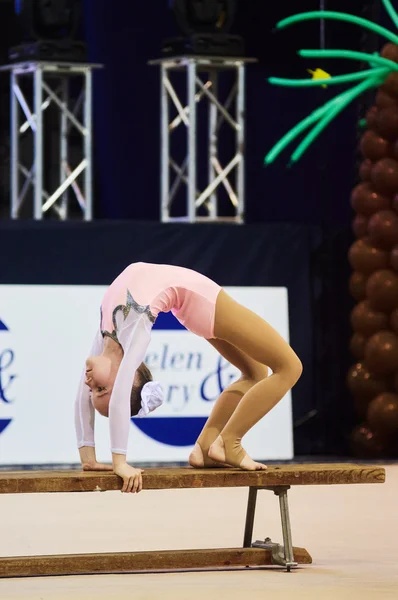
(151,398)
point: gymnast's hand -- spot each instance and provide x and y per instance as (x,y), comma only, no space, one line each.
(132,478)
(89,460)
(96,466)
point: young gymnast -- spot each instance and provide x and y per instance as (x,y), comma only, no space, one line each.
(117,383)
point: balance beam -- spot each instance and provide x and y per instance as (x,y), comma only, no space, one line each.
(277,479)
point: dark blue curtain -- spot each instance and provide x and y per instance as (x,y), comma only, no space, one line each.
(124,35)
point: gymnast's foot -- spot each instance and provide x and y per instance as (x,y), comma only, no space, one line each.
(218,453)
(199,459)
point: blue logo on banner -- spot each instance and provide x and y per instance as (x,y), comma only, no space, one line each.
(3,424)
(182,431)
(6,378)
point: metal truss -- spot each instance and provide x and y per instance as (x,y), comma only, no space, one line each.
(231,112)
(51,87)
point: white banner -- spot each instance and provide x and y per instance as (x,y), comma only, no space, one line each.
(45,335)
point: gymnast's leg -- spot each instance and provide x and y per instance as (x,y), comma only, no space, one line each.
(251,373)
(255,337)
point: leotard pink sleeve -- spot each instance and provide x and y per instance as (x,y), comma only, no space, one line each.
(84,410)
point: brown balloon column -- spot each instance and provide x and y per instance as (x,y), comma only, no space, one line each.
(373,380)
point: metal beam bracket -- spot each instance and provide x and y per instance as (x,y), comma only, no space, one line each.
(281,555)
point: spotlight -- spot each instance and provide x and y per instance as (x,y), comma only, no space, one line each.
(49,30)
(204,16)
(205,25)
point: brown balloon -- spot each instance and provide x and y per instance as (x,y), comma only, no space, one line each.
(390,85)
(371,117)
(366,201)
(365,385)
(382,290)
(366,321)
(386,123)
(357,286)
(365,170)
(385,176)
(384,100)
(357,346)
(390,51)
(383,229)
(360,194)
(383,414)
(381,353)
(367,259)
(374,147)
(396,382)
(394,320)
(361,406)
(394,258)
(360,226)
(365,443)
(394,151)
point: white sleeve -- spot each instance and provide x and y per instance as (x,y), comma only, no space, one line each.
(84,410)
(135,339)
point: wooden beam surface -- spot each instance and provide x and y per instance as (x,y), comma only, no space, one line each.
(24,482)
(135,562)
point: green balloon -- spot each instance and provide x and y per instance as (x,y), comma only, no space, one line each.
(338,79)
(391,11)
(296,131)
(324,115)
(362,56)
(320,118)
(340,103)
(337,16)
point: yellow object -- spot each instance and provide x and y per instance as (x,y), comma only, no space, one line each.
(319,74)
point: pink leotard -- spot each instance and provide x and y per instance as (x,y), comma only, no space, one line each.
(128,311)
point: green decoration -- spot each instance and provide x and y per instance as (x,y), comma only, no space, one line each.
(374,59)
(337,16)
(296,131)
(327,81)
(340,103)
(324,116)
(380,69)
(391,11)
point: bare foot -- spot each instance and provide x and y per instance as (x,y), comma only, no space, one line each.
(200,460)
(217,453)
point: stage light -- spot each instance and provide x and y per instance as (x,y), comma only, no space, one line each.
(49,19)
(49,30)
(204,16)
(205,25)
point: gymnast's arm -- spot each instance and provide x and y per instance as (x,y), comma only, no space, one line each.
(84,418)
(135,343)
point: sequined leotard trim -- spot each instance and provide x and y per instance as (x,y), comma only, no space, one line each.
(125,308)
